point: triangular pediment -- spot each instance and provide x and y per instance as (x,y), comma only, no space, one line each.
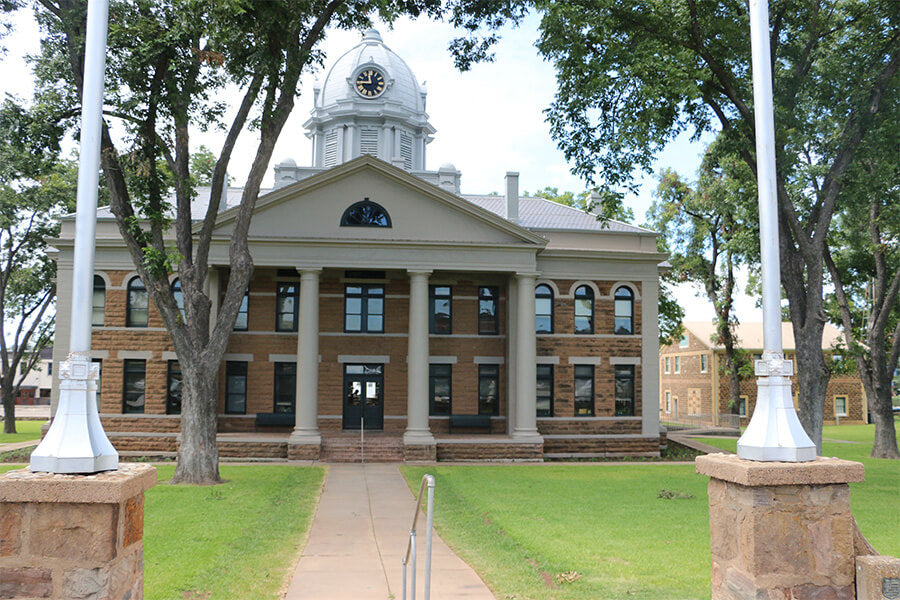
(311,209)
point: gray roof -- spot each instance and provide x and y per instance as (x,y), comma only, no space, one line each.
(534,213)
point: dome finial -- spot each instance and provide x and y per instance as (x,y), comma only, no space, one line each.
(372,35)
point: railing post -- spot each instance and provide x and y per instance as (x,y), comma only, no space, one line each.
(362,440)
(429,522)
(412,576)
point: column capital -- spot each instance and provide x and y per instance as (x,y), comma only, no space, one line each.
(309,271)
(527,274)
(419,272)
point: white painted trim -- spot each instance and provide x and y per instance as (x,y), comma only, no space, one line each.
(625,360)
(273,358)
(587,336)
(101,354)
(239,357)
(580,419)
(104,277)
(359,334)
(135,354)
(551,284)
(450,336)
(168,355)
(442,360)
(135,329)
(547,360)
(616,285)
(364,358)
(488,360)
(585,360)
(582,282)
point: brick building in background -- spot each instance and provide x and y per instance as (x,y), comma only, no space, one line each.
(423,309)
(694,387)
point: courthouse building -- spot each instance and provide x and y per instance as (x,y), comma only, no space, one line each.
(450,325)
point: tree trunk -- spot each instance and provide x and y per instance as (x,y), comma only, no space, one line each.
(9,408)
(734,385)
(877,383)
(198,456)
(812,376)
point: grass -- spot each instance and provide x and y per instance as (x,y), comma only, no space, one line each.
(520,526)
(25,431)
(234,541)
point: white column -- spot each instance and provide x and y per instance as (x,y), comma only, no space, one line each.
(526,351)
(650,357)
(511,339)
(417,430)
(306,429)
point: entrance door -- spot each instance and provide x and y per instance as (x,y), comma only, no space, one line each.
(364,396)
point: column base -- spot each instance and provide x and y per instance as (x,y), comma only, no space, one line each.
(418,437)
(527,436)
(304,444)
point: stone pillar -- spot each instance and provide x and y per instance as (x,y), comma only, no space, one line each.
(417,430)
(73,536)
(511,340)
(305,441)
(779,529)
(526,351)
(650,357)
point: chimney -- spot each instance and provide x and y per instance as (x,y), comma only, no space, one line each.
(512,196)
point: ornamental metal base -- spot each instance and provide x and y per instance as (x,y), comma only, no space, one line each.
(76,442)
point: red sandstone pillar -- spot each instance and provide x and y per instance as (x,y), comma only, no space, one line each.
(73,536)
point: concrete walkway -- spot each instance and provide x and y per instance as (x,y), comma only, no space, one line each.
(358,538)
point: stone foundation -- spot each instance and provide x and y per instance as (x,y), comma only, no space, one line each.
(303,451)
(780,531)
(877,577)
(73,536)
(420,452)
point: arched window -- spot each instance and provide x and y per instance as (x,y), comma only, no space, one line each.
(624,311)
(98,305)
(543,309)
(138,309)
(365,214)
(584,309)
(179,296)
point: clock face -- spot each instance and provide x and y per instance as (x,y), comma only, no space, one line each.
(370,83)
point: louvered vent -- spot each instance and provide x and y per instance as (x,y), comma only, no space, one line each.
(368,141)
(406,150)
(331,148)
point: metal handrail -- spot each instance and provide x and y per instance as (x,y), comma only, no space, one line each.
(411,545)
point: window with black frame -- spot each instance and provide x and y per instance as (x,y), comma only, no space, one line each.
(488,389)
(242,322)
(584,390)
(173,388)
(624,311)
(488,313)
(287,303)
(134,390)
(624,390)
(439,384)
(440,315)
(363,308)
(584,310)
(365,214)
(285,387)
(544,391)
(138,304)
(236,387)
(98,303)
(543,309)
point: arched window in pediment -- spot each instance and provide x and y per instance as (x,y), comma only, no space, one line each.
(366,214)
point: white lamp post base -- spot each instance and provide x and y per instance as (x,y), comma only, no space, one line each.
(76,442)
(775,433)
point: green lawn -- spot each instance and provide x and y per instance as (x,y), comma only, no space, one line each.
(231,541)
(520,526)
(25,431)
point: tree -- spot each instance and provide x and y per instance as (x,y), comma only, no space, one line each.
(35,188)
(633,75)
(710,233)
(863,259)
(167,65)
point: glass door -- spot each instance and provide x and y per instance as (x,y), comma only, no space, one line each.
(363,396)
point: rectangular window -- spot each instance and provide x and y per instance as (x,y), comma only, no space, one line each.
(488,315)
(135,384)
(243,317)
(544,392)
(704,363)
(667,363)
(624,390)
(584,390)
(50,368)
(742,406)
(488,389)
(285,387)
(678,364)
(287,303)
(668,402)
(173,388)
(440,317)
(236,387)
(364,308)
(685,341)
(840,406)
(439,386)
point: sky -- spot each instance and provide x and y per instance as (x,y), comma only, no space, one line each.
(489,120)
